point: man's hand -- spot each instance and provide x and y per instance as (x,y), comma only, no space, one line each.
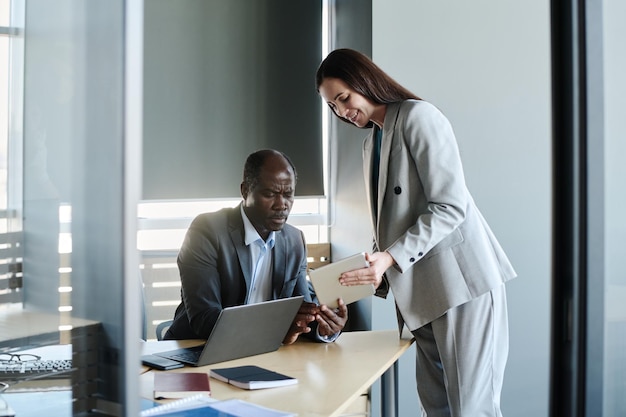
(379,263)
(329,321)
(306,314)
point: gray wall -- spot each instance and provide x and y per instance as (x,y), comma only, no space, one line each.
(486,65)
(225,78)
(615,200)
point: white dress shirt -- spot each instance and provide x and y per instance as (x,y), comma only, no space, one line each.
(261,262)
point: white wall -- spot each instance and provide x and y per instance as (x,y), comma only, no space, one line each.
(486,65)
(615,200)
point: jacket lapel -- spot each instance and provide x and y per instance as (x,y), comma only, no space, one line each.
(235,225)
(389,126)
(367,171)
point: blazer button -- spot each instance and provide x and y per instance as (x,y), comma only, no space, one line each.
(412,259)
(397,190)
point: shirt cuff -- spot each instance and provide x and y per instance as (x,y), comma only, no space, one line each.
(327,339)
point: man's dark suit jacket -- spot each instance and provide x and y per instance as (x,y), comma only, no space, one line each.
(214,265)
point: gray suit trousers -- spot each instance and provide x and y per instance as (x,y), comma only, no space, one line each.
(461,358)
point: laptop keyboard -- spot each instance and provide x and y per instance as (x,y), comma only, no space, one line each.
(59,368)
(189,355)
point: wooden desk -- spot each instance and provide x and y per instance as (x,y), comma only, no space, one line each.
(331,375)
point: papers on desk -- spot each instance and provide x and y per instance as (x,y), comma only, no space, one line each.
(37,404)
(5,410)
(201,405)
(240,408)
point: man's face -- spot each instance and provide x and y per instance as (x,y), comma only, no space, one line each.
(268,204)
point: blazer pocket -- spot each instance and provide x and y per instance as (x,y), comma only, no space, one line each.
(453,239)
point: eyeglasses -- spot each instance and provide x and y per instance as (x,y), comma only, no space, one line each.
(8,358)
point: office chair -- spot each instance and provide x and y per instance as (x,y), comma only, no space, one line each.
(162,328)
(144,318)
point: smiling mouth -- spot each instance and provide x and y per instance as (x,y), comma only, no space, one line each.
(353,117)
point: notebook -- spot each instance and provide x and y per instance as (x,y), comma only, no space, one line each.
(241,331)
(252,377)
(325,280)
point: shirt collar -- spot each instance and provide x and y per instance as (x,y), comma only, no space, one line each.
(251,235)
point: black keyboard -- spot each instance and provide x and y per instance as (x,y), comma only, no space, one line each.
(59,368)
(188,355)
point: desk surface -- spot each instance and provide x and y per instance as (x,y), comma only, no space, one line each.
(21,328)
(330,375)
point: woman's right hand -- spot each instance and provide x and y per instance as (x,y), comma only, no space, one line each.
(379,263)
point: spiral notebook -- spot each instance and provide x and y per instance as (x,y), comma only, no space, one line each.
(203,406)
(199,402)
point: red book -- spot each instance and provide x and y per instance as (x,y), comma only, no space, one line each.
(180,384)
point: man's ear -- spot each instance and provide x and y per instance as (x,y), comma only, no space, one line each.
(244,190)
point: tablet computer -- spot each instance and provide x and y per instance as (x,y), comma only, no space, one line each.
(325,280)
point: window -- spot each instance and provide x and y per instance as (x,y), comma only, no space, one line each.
(10,181)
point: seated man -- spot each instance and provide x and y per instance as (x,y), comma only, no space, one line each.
(249,254)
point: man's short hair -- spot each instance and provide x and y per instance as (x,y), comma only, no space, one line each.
(254,163)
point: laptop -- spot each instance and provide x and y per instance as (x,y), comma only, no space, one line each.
(240,331)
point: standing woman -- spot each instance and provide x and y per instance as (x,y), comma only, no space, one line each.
(433,248)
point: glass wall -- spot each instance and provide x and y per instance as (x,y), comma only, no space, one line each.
(74,151)
(4,99)
(11,60)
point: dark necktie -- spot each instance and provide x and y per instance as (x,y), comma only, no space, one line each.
(378,136)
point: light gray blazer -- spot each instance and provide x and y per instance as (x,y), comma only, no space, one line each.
(427,220)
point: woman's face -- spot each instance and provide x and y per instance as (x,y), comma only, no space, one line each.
(350,105)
